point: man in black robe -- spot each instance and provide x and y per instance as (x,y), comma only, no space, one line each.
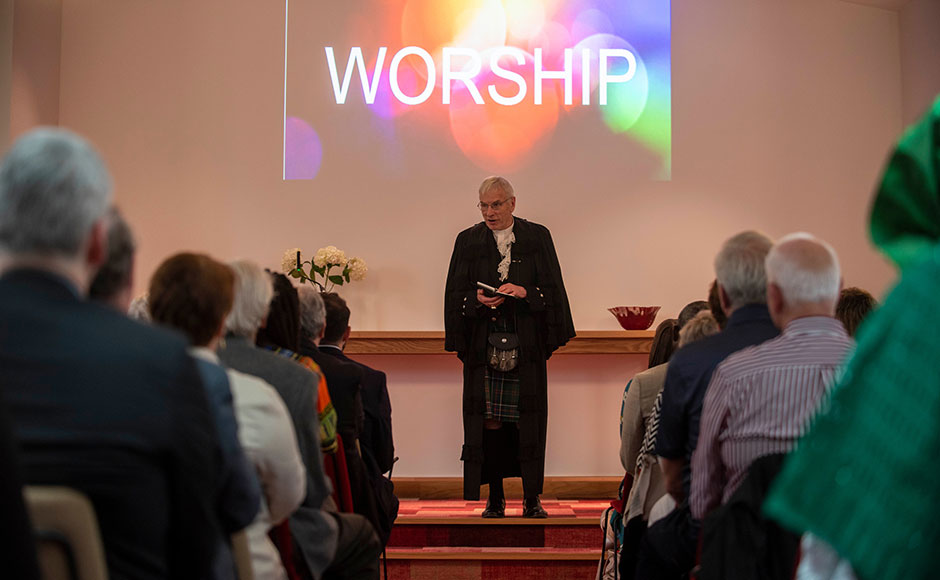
(505,412)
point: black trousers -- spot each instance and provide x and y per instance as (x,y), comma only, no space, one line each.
(667,550)
(501,453)
(357,550)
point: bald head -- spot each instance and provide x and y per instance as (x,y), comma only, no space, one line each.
(803,278)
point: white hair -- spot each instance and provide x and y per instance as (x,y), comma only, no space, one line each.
(805,268)
(139,308)
(739,267)
(312,311)
(495,182)
(254,291)
(53,188)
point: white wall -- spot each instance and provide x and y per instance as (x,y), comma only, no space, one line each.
(36,46)
(584,395)
(920,56)
(782,115)
(6,70)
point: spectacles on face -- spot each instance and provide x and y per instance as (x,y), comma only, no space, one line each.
(494,206)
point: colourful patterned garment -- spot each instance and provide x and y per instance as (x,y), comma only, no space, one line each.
(865,478)
(325,410)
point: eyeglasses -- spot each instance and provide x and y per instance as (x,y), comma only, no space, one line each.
(494,206)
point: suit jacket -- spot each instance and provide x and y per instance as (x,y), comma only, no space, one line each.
(17,550)
(344,381)
(116,410)
(314,530)
(637,407)
(376,435)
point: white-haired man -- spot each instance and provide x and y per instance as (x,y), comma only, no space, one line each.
(668,548)
(504,342)
(759,399)
(98,402)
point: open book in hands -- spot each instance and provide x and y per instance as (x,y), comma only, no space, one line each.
(490,292)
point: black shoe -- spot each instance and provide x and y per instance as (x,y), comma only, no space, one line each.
(495,508)
(532,508)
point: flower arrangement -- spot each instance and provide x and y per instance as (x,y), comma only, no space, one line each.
(329,267)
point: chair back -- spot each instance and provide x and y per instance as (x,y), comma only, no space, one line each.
(67,537)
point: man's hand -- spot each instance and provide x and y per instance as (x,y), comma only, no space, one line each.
(517,291)
(492,302)
(672,476)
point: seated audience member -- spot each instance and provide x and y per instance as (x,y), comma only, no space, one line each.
(280,333)
(863,478)
(854,305)
(114,280)
(329,544)
(239,492)
(668,548)
(648,488)
(760,399)
(82,381)
(193,293)
(377,429)
(632,406)
(704,324)
(643,389)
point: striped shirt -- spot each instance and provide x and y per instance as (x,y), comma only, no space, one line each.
(759,401)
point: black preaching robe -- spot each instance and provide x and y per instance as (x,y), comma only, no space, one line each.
(543,323)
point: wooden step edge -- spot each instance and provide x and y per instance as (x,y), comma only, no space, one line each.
(554,487)
(510,554)
(509,521)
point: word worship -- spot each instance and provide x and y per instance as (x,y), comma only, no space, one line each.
(610,62)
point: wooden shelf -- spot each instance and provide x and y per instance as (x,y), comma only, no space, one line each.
(432,342)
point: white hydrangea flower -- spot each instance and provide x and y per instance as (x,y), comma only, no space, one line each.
(357,269)
(330,255)
(289,261)
(319,259)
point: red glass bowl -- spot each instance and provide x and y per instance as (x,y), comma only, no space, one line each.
(635,317)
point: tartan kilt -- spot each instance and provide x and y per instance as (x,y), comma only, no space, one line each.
(502,395)
(501,389)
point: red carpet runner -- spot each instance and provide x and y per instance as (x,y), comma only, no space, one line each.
(447,539)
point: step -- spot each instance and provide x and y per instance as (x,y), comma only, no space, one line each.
(567,487)
(438,524)
(492,563)
(492,554)
(453,511)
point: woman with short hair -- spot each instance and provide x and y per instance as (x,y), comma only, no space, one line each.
(194,293)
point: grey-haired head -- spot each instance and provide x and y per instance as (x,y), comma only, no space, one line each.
(54,188)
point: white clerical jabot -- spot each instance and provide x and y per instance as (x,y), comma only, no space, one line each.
(504,240)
